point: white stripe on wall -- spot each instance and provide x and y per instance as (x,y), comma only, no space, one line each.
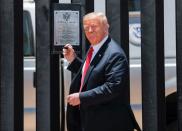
(64,1)
(139,65)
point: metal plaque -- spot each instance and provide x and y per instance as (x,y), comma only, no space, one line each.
(66,27)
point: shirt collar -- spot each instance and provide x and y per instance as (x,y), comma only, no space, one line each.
(98,46)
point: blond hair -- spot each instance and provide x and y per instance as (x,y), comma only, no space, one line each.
(98,15)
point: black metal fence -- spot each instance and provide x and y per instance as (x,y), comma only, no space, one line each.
(152,55)
(179,60)
(47,65)
(11,65)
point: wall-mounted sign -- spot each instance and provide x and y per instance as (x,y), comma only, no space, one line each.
(66,26)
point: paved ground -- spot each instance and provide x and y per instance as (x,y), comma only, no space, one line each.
(30,124)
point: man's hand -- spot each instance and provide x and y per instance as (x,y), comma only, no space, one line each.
(73,99)
(69,53)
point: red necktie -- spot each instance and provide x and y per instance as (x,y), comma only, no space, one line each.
(86,66)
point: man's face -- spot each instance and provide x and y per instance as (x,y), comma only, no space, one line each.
(94,29)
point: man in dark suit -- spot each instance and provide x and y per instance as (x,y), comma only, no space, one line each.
(98,100)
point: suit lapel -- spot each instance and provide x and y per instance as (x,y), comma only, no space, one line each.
(96,59)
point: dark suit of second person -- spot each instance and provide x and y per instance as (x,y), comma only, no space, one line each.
(102,104)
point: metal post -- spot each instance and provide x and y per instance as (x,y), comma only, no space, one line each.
(120,33)
(124,26)
(56,123)
(63,95)
(43,68)
(119,16)
(47,66)
(153,91)
(114,18)
(89,6)
(179,60)
(11,65)
(55,96)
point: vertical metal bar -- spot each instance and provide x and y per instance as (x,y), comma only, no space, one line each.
(179,60)
(47,66)
(55,96)
(56,123)
(153,91)
(89,6)
(43,68)
(62,94)
(18,65)
(119,28)
(11,65)
(113,13)
(119,16)
(124,26)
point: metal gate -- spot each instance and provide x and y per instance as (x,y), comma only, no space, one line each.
(50,110)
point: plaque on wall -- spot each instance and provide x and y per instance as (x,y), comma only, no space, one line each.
(66,26)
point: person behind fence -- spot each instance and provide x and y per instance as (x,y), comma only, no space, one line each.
(98,99)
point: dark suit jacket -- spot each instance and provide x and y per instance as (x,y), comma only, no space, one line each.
(104,100)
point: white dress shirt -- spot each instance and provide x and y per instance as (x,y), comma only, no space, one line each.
(96,49)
